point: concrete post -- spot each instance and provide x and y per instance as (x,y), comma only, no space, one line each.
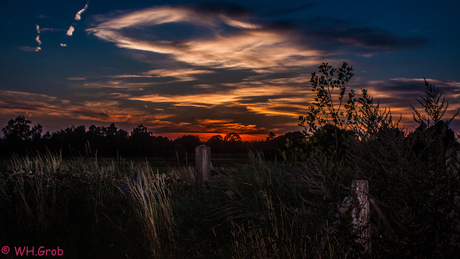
(361,214)
(202,164)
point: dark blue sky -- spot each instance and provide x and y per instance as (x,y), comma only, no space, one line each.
(206,68)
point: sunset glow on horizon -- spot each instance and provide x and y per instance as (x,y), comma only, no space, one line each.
(205,69)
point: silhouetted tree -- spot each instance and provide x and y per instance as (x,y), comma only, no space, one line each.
(19,129)
(47,135)
(187,143)
(215,138)
(71,141)
(216,143)
(434,109)
(365,120)
(324,140)
(18,134)
(115,141)
(232,137)
(433,135)
(96,131)
(271,135)
(141,139)
(326,110)
(162,146)
(111,130)
(140,131)
(232,142)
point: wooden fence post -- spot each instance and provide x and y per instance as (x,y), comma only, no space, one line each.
(202,164)
(361,214)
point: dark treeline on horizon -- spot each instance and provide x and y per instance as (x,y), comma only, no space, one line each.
(21,138)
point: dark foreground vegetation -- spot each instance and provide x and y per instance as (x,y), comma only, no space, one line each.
(282,206)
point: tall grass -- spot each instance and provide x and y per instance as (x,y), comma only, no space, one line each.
(154,205)
(48,200)
(90,206)
(93,208)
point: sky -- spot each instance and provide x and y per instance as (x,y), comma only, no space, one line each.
(209,68)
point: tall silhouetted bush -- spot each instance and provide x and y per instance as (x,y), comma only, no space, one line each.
(18,136)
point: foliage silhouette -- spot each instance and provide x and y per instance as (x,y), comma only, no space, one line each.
(324,109)
(19,129)
(216,143)
(18,135)
(232,137)
(434,109)
(187,143)
(360,115)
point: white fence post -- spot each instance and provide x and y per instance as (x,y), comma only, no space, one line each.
(361,214)
(202,164)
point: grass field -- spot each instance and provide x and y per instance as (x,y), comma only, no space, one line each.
(89,208)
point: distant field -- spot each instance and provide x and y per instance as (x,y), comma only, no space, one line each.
(166,163)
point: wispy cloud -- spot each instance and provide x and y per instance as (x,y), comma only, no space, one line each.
(180,74)
(51,29)
(37,39)
(104,110)
(78,15)
(28,48)
(216,126)
(15,101)
(70,31)
(239,96)
(231,38)
(249,45)
(364,41)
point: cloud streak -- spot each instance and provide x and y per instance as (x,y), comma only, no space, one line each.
(37,39)
(365,41)
(78,15)
(235,40)
(249,46)
(181,75)
(70,31)
(15,102)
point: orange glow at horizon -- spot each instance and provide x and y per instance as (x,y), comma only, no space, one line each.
(206,136)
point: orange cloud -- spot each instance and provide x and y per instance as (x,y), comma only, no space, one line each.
(182,75)
(106,111)
(78,15)
(70,31)
(228,97)
(252,47)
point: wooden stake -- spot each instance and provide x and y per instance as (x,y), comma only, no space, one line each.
(361,214)
(202,164)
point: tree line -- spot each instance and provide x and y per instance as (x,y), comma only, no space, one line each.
(20,137)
